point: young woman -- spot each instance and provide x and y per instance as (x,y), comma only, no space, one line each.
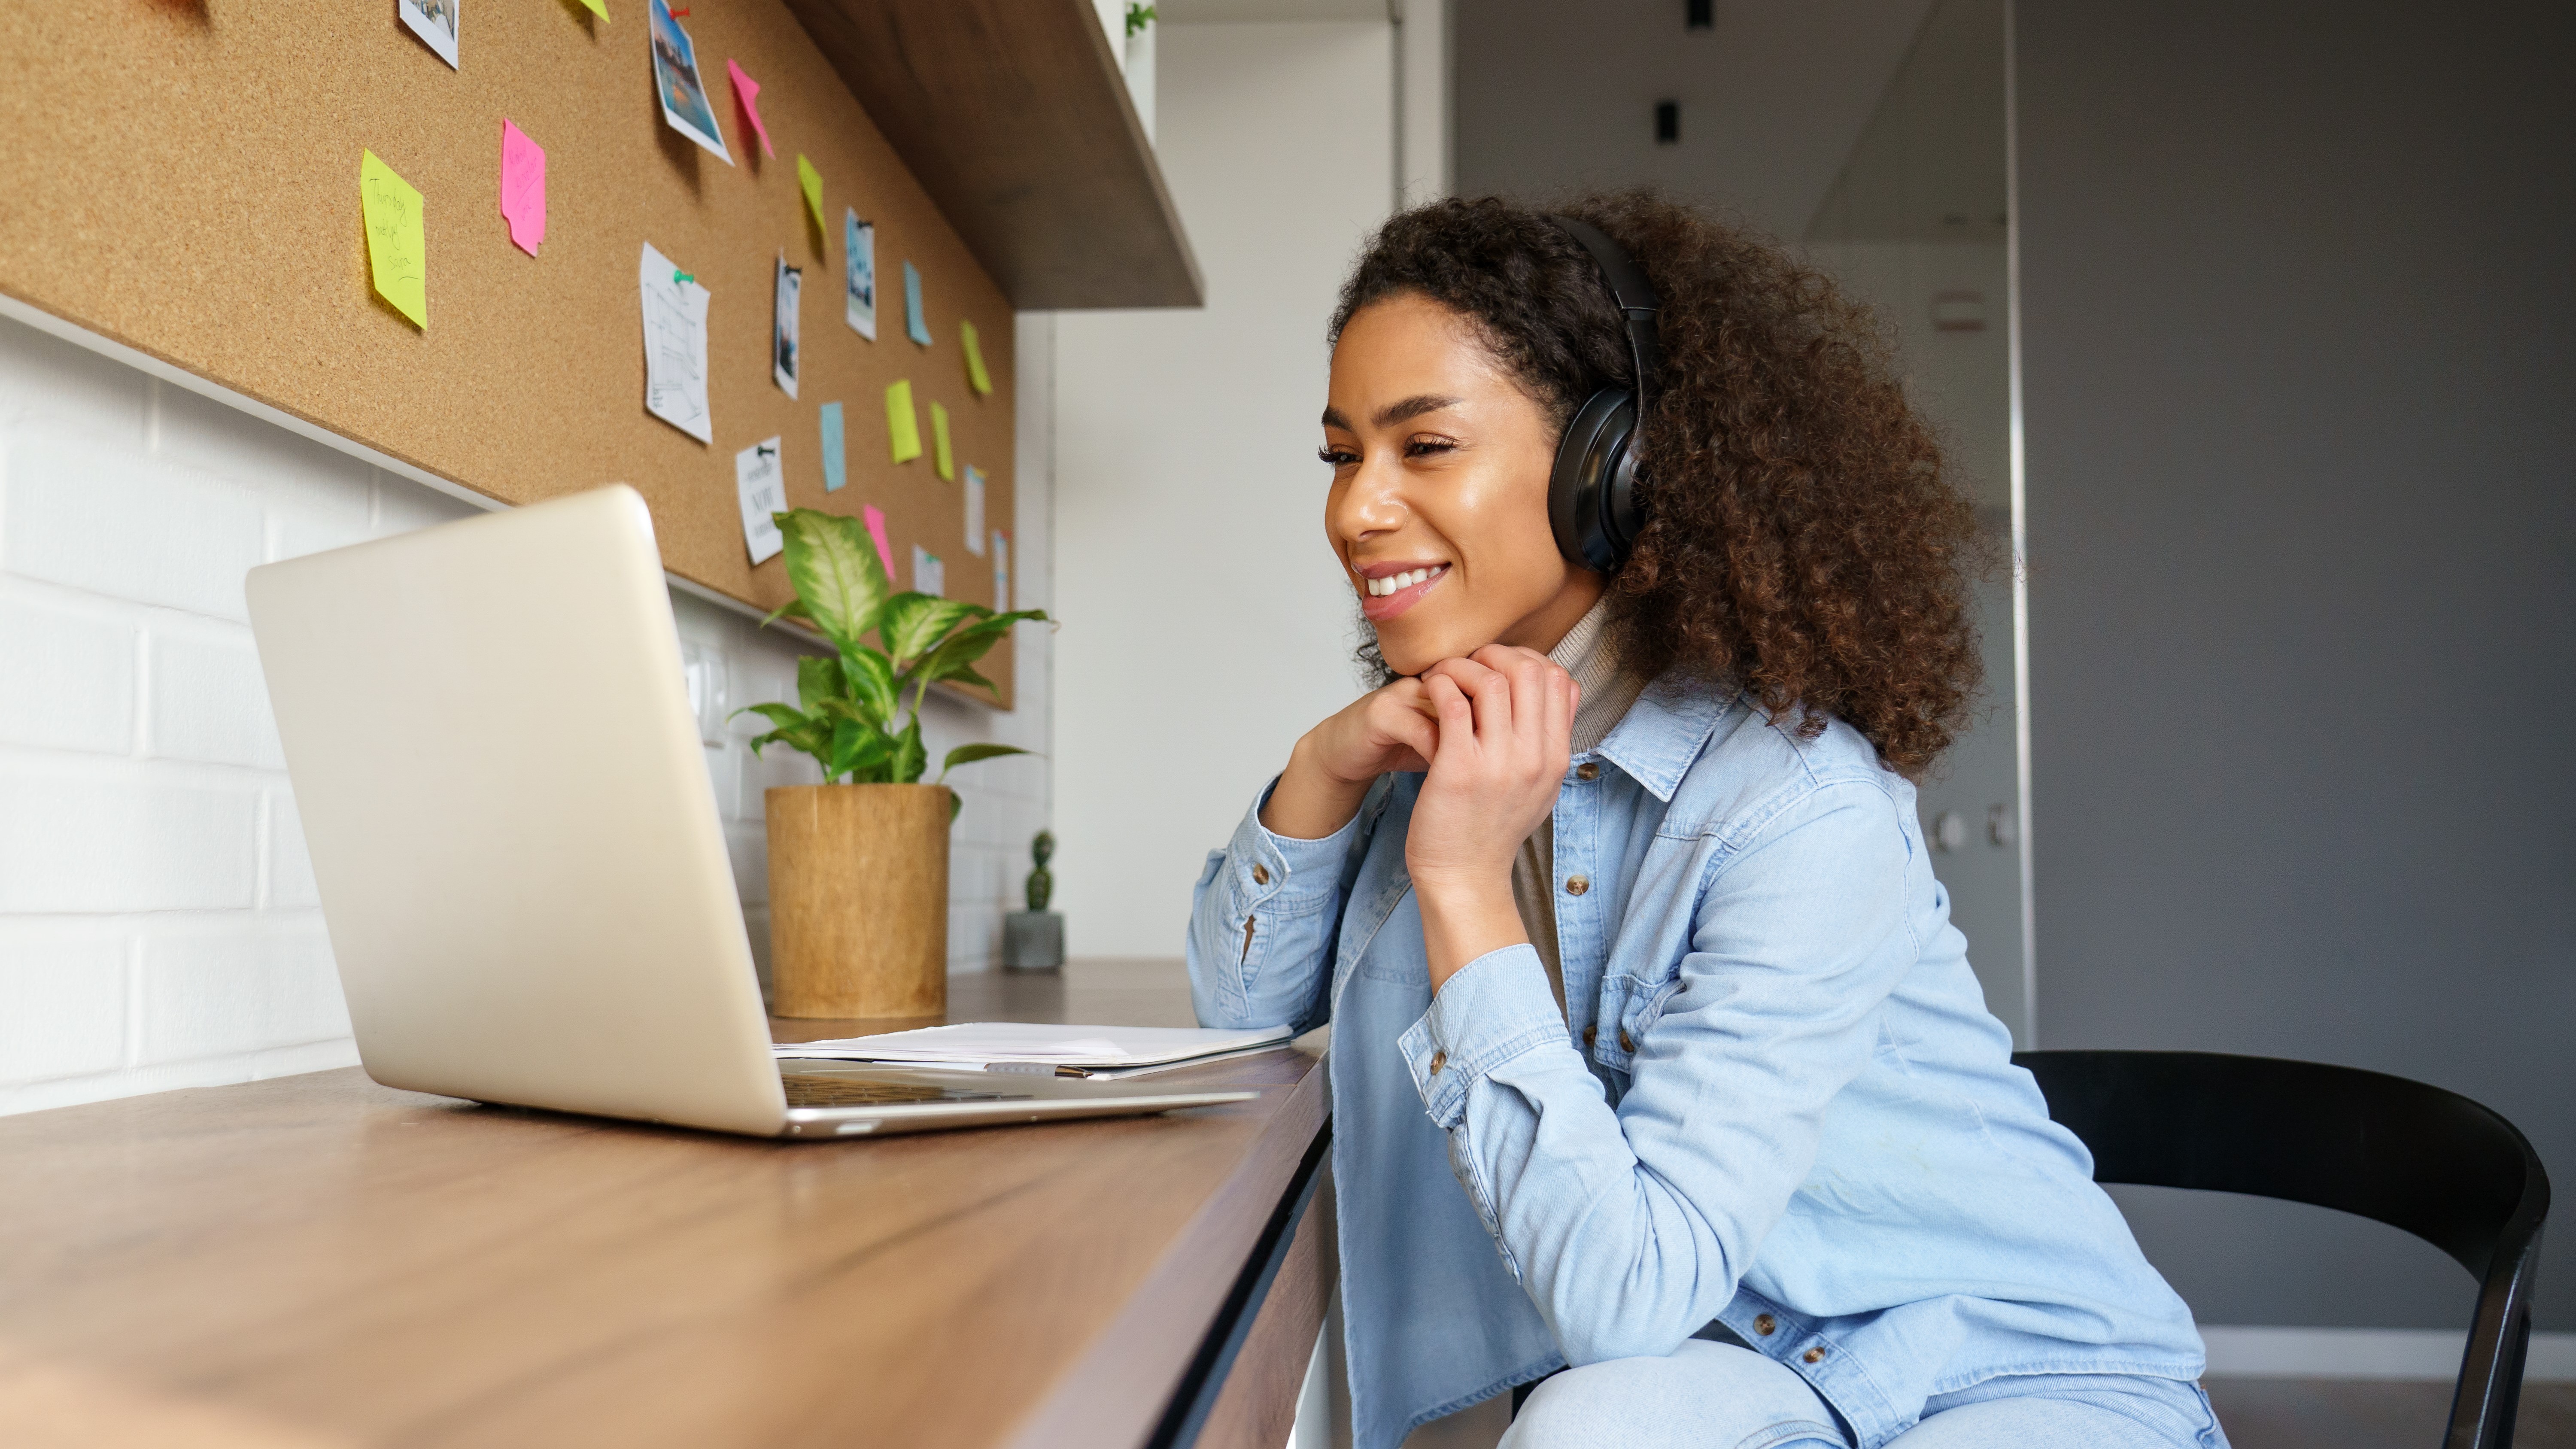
(1655,1055)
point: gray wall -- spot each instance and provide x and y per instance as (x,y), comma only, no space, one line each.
(2301,408)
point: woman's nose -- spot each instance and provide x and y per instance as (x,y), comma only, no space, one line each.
(1373,501)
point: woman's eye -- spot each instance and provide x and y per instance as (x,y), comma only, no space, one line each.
(1337,457)
(1425,447)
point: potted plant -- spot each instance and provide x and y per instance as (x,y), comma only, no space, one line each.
(858,865)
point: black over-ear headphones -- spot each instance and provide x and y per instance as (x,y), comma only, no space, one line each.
(1594,500)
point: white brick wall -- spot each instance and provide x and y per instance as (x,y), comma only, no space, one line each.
(158,921)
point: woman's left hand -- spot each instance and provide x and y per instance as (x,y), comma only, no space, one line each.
(1506,718)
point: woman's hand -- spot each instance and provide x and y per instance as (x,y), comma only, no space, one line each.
(1331,769)
(1506,721)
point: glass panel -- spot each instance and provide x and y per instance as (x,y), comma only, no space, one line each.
(1917,223)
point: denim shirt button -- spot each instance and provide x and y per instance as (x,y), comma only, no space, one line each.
(1589,1033)
(1626,1045)
(1764,1324)
(1587,771)
(1813,1355)
(1261,875)
(1439,1059)
(1576,885)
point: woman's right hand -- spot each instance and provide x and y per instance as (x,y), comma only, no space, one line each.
(1332,767)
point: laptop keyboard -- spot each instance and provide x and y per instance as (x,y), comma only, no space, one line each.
(805,1091)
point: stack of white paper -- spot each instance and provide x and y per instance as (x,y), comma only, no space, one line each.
(1092,1050)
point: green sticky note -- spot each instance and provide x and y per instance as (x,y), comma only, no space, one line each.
(902,428)
(976,376)
(939,440)
(812,181)
(397,251)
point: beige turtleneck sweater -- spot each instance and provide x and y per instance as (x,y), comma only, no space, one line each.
(1607,692)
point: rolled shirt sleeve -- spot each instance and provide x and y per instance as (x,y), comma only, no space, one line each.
(1261,923)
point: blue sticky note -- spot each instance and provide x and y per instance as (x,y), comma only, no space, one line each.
(914,324)
(836,467)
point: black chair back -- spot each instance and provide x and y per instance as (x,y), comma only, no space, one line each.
(2412,1156)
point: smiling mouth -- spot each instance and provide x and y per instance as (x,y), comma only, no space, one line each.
(1397,583)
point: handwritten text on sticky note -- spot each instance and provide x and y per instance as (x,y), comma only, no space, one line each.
(523,188)
(397,248)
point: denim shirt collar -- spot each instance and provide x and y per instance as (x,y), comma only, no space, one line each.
(1664,731)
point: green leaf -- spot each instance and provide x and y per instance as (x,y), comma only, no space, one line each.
(795,730)
(956,802)
(858,750)
(871,683)
(840,585)
(819,679)
(909,756)
(912,623)
(969,754)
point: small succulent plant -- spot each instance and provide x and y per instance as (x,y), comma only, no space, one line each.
(1041,880)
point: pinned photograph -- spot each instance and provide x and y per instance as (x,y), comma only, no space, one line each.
(676,80)
(783,350)
(859,274)
(434,21)
(974,510)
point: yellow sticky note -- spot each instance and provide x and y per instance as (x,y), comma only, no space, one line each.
(812,181)
(976,376)
(939,441)
(597,7)
(397,250)
(901,426)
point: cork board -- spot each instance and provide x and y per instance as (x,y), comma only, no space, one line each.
(182,178)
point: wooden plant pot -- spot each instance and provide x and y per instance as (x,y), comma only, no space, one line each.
(858,900)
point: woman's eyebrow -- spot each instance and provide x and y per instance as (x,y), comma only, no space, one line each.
(1413,407)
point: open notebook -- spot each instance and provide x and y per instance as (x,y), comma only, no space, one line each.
(1021,1046)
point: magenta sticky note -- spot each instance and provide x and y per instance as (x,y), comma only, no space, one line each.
(523,187)
(876,530)
(747,91)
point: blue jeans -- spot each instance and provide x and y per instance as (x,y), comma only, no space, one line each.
(1717,1396)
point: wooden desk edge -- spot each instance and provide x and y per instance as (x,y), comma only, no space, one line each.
(1116,1393)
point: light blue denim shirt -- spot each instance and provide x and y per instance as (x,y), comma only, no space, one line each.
(1779,1102)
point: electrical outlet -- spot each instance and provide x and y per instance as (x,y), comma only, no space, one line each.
(704,667)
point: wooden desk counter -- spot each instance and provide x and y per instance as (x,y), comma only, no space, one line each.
(317,1260)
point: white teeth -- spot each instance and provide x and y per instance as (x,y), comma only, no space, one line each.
(1397,583)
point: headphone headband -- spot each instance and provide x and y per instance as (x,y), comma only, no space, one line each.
(1635,296)
(1593,499)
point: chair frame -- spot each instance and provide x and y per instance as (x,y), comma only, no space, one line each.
(2432,1162)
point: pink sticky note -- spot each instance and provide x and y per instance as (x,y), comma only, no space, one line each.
(523,187)
(876,530)
(747,91)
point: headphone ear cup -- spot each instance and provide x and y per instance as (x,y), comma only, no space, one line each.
(1591,492)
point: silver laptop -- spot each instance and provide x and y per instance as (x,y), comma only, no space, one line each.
(516,841)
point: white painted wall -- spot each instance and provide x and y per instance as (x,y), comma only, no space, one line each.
(1206,625)
(158,923)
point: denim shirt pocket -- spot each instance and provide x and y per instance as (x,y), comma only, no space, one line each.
(1629,1005)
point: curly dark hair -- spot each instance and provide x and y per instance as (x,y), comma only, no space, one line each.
(1802,541)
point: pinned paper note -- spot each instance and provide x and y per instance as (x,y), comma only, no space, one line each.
(746,92)
(859,275)
(1001,571)
(397,249)
(876,531)
(784,353)
(434,21)
(929,575)
(976,376)
(903,428)
(836,463)
(915,325)
(811,181)
(683,92)
(975,510)
(523,188)
(761,486)
(939,457)
(675,345)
